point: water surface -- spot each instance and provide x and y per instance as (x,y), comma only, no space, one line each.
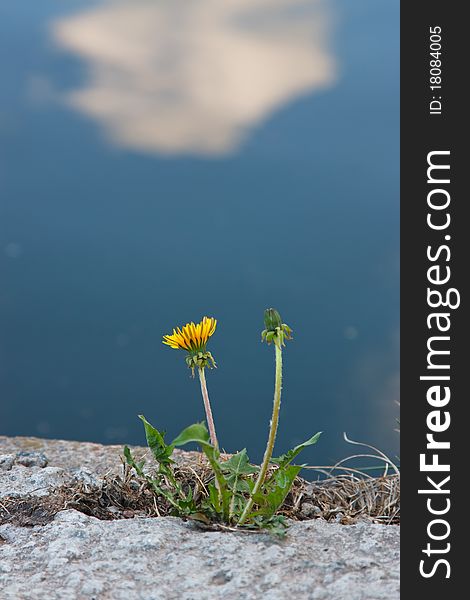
(161,161)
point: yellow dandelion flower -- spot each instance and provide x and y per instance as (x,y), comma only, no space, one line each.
(191,337)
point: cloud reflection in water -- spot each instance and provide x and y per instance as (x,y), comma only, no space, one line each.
(178,77)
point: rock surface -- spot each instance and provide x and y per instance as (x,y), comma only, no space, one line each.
(95,458)
(152,559)
(80,557)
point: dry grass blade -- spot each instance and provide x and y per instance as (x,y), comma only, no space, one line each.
(379,454)
(348,493)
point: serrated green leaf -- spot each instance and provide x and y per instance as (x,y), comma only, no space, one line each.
(186,507)
(214,497)
(128,456)
(244,486)
(234,470)
(194,433)
(137,466)
(276,525)
(239,503)
(156,442)
(198,433)
(275,490)
(281,479)
(238,464)
(287,458)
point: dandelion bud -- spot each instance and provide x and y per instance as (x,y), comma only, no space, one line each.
(272,319)
(276,331)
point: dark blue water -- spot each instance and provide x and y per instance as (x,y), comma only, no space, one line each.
(164,161)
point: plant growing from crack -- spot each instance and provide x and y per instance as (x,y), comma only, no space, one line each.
(239,494)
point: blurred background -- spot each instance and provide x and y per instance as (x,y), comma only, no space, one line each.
(164,160)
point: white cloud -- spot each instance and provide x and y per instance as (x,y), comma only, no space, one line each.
(195,76)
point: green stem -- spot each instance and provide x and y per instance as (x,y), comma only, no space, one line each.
(272,432)
(220,482)
(207,406)
(232,501)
